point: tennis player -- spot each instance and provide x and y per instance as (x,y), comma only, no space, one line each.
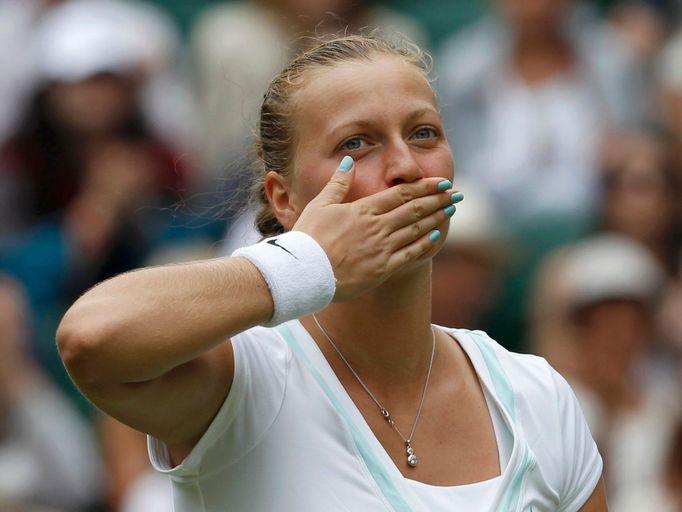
(303,373)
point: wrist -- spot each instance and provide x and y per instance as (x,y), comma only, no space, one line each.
(297,271)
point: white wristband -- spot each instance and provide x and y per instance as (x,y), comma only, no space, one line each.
(297,271)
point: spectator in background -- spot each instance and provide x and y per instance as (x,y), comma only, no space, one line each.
(17,24)
(528,94)
(48,455)
(90,183)
(664,495)
(642,194)
(91,73)
(642,199)
(146,29)
(669,84)
(609,286)
(467,270)
(643,25)
(131,484)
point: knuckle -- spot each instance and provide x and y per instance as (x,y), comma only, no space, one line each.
(417,229)
(336,182)
(377,272)
(362,209)
(409,255)
(404,194)
(418,209)
(377,232)
(420,250)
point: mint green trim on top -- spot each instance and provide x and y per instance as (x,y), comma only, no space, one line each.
(512,493)
(376,469)
(501,383)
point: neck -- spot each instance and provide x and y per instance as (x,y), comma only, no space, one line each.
(386,334)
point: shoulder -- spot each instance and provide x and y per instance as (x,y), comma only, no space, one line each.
(545,411)
(260,346)
(537,397)
(527,374)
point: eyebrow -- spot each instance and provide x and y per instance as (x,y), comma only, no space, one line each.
(361,123)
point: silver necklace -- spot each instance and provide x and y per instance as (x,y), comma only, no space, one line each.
(412,459)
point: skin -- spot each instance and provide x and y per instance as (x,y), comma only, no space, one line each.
(613,337)
(93,106)
(157,331)
(540,50)
(533,15)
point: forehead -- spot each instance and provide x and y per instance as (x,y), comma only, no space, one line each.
(376,88)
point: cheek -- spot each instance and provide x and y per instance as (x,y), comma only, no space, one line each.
(366,182)
(308,183)
(438,163)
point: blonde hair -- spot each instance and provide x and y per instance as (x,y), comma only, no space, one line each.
(275,133)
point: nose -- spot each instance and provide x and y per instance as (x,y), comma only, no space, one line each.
(400,164)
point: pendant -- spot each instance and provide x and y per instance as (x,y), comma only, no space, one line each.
(412,459)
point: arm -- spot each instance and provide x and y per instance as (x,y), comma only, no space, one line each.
(596,502)
(149,347)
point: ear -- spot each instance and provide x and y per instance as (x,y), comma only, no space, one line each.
(279,195)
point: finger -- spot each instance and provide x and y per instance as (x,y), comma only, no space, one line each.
(398,195)
(336,189)
(419,248)
(416,230)
(418,209)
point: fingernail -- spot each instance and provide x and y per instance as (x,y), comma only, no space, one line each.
(444,185)
(457,197)
(434,235)
(346,164)
(450,210)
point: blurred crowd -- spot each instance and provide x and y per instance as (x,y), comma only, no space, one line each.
(126,141)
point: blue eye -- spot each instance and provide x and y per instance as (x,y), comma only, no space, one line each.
(352,144)
(425,133)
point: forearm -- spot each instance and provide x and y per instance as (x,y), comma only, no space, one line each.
(140,325)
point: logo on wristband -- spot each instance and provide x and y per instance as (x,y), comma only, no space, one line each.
(273,241)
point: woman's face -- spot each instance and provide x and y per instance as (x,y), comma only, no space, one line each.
(639,199)
(95,105)
(533,14)
(381,112)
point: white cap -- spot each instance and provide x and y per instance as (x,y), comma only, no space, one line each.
(81,38)
(611,266)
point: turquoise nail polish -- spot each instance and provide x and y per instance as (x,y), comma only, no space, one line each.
(444,185)
(346,164)
(450,210)
(457,197)
(434,235)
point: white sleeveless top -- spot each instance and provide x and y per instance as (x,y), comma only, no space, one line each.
(289,438)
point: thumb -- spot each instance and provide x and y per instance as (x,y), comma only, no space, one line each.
(335,191)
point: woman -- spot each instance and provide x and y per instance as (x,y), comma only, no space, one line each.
(359,406)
